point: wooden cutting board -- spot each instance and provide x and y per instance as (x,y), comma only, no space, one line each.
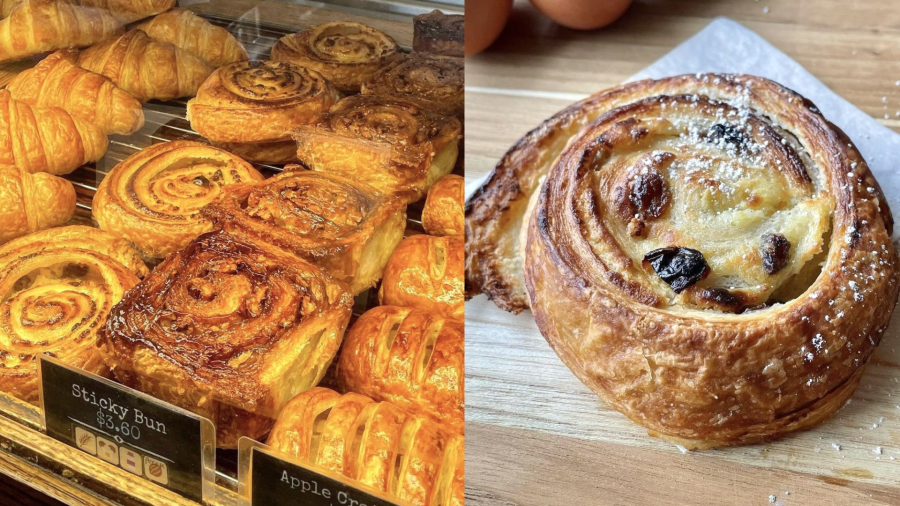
(535,434)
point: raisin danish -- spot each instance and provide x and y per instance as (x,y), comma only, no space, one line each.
(707,253)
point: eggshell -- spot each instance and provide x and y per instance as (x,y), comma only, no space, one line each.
(578,14)
(484,22)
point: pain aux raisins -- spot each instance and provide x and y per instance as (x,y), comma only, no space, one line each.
(679,267)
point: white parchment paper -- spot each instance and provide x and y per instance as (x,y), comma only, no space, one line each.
(726,46)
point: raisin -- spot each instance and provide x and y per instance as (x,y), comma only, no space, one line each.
(679,267)
(775,252)
(726,136)
(202,181)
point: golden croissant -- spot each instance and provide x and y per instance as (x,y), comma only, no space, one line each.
(146,68)
(32,202)
(58,82)
(46,140)
(213,44)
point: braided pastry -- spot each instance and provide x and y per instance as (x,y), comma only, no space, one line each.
(426,272)
(343,226)
(707,253)
(346,53)
(32,202)
(433,82)
(394,145)
(410,358)
(443,210)
(229,329)
(56,290)
(153,198)
(408,457)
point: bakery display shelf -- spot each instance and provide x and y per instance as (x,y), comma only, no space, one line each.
(68,474)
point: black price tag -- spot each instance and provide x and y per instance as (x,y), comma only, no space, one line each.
(277,482)
(128,429)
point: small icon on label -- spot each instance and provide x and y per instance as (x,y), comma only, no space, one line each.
(108,451)
(85,440)
(130,460)
(155,470)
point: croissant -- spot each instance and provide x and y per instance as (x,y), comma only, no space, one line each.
(213,44)
(56,289)
(38,26)
(346,53)
(343,226)
(146,68)
(153,198)
(127,11)
(443,212)
(410,358)
(439,33)
(46,140)
(394,145)
(707,253)
(406,456)
(229,329)
(433,82)
(426,272)
(58,82)
(32,202)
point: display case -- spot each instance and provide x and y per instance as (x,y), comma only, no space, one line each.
(76,477)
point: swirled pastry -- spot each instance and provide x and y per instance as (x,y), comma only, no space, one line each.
(410,358)
(343,226)
(346,53)
(57,82)
(56,290)
(710,256)
(379,444)
(443,212)
(259,102)
(153,198)
(32,202)
(213,44)
(394,145)
(439,33)
(229,329)
(426,272)
(433,82)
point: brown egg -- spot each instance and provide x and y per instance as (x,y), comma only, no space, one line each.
(484,22)
(578,14)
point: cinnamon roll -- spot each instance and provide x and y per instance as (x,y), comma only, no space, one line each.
(376,443)
(426,272)
(57,287)
(443,211)
(433,82)
(410,358)
(392,144)
(229,329)
(439,33)
(343,226)
(708,254)
(346,53)
(153,198)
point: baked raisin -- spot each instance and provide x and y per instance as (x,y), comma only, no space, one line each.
(679,267)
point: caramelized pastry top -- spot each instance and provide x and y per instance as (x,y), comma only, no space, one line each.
(434,82)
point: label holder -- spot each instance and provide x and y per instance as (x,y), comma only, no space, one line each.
(207,490)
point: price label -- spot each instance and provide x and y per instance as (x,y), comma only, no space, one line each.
(278,482)
(149,438)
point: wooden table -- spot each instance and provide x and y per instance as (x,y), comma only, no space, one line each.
(535,434)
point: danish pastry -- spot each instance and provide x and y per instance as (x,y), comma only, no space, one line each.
(32,202)
(57,287)
(153,198)
(343,226)
(433,82)
(410,358)
(426,272)
(392,144)
(346,53)
(229,329)
(443,213)
(408,457)
(707,253)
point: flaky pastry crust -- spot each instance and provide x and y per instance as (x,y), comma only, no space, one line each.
(439,33)
(341,225)
(346,53)
(32,202)
(426,272)
(710,256)
(410,358)
(57,287)
(434,82)
(443,212)
(377,443)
